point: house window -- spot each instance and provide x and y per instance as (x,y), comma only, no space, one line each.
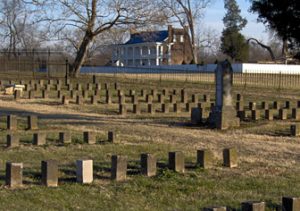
(174,38)
(130,52)
(152,50)
(181,38)
(145,51)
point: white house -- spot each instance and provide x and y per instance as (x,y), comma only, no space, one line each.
(167,47)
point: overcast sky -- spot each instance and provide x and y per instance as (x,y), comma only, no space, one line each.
(215,13)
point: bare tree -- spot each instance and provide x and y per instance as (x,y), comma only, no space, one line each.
(16,28)
(94,17)
(187,13)
(207,44)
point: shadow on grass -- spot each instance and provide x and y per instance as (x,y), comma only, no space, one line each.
(35,177)
(133,168)
(69,172)
(102,170)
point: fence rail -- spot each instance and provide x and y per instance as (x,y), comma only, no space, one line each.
(278,81)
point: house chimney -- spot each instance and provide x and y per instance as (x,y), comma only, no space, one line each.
(170,33)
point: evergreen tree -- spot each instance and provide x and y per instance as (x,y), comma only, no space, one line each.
(282,17)
(233,43)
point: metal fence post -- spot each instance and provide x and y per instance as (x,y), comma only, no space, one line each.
(67,72)
(33,63)
(48,66)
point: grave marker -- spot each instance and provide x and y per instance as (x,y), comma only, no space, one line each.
(296,113)
(39,139)
(223,114)
(290,204)
(253,206)
(112,136)
(14,174)
(49,170)
(165,108)
(230,158)
(65,137)
(84,171)
(269,114)
(148,164)
(295,130)
(12,140)
(89,137)
(118,167)
(204,158)
(12,122)
(122,109)
(32,122)
(176,161)
(136,109)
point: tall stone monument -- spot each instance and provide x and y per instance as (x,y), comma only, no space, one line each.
(223,114)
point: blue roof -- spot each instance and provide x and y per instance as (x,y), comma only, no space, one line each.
(154,36)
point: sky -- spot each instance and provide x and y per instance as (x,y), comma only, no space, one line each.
(215,13)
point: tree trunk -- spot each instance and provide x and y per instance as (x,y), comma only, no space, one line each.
(81,55)
(268,48)
(284,49)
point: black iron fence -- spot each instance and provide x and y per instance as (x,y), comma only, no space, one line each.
(258,79)
(33,63)
(50,64)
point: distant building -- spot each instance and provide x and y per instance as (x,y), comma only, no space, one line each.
(168,47)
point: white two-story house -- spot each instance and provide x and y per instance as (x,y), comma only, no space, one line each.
(167,47)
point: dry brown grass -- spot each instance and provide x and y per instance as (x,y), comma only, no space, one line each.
(267,155)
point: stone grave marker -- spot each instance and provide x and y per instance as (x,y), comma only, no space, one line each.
(204,158)
(230,157)
(65,137)
(176,161)
(89,137)
(12,123)
(118,167)
(84,171)
(290,203)
(296,113)
(223,115)
(14,174)
(49,173)
(32,122)
(148,164)
(253,206)
(112,136)
(295,130)
(136,109)
(39,139)
(12,140)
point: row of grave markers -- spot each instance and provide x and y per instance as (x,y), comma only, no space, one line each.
(253,113)
(40,138)
(32,120)
(122,97)
(84,174)
(288,204)
(12,122)
(84,170)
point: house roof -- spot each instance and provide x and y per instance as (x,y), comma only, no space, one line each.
(142,37)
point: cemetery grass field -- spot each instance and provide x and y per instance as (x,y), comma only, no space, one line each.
(268,156)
